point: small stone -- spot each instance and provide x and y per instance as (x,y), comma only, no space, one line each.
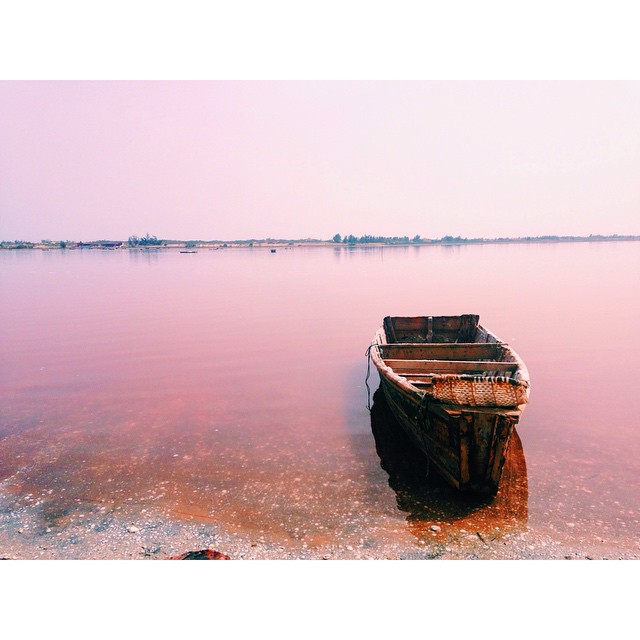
(349,547)
(204,554)
(435,527)
(133,529)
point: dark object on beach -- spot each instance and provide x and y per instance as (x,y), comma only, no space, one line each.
(456,389)
(188,252)
(273,250)
(204,554)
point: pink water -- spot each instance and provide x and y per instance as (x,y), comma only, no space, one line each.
(229,385)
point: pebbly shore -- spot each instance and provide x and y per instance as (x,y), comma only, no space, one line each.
(126,534)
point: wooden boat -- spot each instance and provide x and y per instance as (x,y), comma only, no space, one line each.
(456,389)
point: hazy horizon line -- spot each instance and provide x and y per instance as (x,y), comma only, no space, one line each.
(347,239)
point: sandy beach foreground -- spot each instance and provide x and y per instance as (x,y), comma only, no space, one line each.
(124,533)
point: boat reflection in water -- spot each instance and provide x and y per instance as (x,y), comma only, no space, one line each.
(429,500)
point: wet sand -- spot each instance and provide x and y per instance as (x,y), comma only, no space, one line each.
(127,534)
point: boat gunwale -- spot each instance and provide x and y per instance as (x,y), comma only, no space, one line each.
(520,375)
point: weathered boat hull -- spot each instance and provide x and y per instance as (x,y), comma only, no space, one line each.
(420,493)
(466,444)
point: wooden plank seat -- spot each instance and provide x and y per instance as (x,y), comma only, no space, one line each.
(404,367)
(443,351)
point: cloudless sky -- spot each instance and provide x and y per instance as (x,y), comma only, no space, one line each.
(297,159)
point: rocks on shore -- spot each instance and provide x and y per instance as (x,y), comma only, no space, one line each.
(203,554)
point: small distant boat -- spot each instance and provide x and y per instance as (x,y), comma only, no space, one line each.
(273,250)
(456,389)
(188,252)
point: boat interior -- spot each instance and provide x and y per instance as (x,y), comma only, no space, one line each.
(419,348)
(428,329)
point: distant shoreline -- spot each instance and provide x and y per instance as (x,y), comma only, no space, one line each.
(271,243)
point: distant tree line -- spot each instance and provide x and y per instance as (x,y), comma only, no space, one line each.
(17,244)
(368,239)
(149,240)
(144,241)
(417,239)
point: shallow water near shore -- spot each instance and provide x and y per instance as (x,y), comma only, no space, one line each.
(155,402)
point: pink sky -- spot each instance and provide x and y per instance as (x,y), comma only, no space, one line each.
(231,160)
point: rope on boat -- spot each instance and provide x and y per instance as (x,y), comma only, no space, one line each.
(366,380)
(422,409)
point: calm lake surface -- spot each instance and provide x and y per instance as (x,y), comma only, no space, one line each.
(229,387)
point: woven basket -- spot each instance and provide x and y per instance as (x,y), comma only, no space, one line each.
(480,391)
